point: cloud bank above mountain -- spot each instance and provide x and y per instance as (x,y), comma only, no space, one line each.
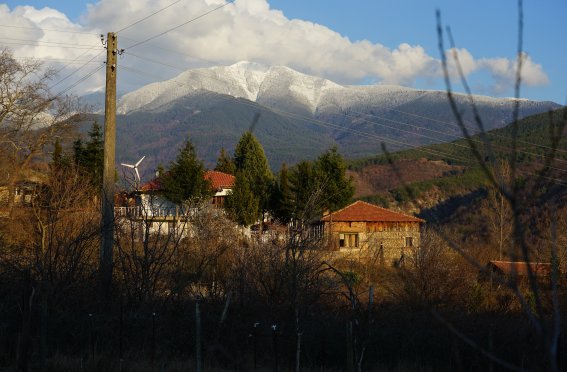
(244,30)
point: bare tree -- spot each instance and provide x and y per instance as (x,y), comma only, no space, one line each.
(202,260)
(147,238)
(432,274)
(499,215)
(54,241)
(30,116)
(520,197)
(56,237)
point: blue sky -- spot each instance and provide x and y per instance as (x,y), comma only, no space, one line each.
(352,42)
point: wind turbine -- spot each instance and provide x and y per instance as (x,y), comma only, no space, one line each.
(135,167)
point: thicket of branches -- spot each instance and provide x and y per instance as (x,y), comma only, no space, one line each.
(266,302)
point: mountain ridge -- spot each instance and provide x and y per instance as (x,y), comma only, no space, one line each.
(268,85)
(301,115)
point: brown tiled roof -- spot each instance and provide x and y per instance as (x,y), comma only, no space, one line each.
(153,185)
(521,267)
(220,180)
(360,211)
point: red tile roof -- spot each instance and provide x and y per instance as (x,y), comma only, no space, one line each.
(153,185)
(220,180)
(361,211)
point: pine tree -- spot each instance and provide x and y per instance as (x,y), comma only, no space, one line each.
(94,153)
(242,205)
(282,197)
(57,152)
(225,163)
(185,182)
(249,158)
(78,149)
(330,169)
(90,157)
(304,186)
(320,185)
(59,159)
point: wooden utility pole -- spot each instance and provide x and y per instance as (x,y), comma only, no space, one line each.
(107,242)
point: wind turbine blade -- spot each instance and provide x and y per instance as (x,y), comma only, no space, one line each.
(139,161)
(127,165)
(137,174)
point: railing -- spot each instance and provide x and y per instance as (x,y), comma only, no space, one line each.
(139,212)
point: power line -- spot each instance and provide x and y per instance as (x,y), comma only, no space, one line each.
(541,156)
(50,30)
(405,131)
(181,25)
(155,61)
(70,46)
(69,63)
(149,16)
(49,42)
(46,59)
(85,77)
(468,127)
(77,70)
(171,51)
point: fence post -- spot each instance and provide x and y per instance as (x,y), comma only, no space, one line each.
(197,337)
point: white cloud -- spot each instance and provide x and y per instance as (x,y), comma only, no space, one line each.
(33,37)
(504,72)
(464,59)
(244,30)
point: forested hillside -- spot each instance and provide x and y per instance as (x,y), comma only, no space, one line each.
(453,168)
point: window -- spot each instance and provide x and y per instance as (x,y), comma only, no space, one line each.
(409,241)
(348,240)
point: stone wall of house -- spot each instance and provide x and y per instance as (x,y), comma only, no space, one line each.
(384,242)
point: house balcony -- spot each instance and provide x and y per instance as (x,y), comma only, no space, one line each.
(155,213)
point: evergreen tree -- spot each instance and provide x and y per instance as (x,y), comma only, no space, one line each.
(282,197)
(225,163)
(59,160)
(330,170)
(94,153)
(185,180)
(304,186)
(78,149)
(249,158)
(57,156)
(242,205)
(90,157)
(320,185)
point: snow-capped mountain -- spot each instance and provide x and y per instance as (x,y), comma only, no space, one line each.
(282,88)
(301,115)
(268,86)
(277,87)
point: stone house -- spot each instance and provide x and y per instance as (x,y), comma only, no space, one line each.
(365,230)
